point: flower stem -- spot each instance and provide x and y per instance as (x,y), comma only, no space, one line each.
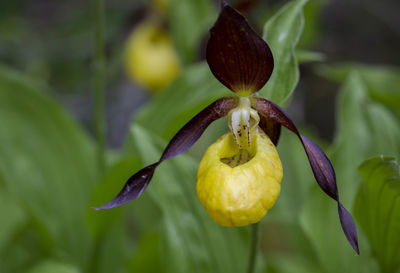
(99,83)
(255,230)
(99,66)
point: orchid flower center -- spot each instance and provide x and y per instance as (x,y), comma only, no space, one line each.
(242,157)
(243,121)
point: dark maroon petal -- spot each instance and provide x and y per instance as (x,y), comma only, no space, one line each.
(245,5)
(191,132)
(349,228)
(320,164)
(237,56)
(322,168)
(133,188)
(271,128)
(182,141)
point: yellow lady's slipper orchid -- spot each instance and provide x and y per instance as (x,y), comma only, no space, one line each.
(237,187)
(239,176)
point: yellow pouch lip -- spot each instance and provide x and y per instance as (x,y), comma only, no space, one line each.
(241,195)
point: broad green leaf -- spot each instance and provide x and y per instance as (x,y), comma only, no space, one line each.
(47,165)
(110,253)
(14,217)
(23,250)
(192,241)
(148,255)
(282,33)
(50,266)
(384,130)
(383,82)
(292,264)
(189,22)
(377,209)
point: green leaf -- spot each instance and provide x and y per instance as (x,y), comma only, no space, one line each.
(292,264)
(148,255)
(110,253)
(192,241)
(282,33)
(313,26)
(15,216)
(187,36)
(377,208)
(384,130)
(50,266)
(365,129)
(306,56)
(382,81)
(352,140)
(47,165)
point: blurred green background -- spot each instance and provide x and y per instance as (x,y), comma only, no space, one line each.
(336,72)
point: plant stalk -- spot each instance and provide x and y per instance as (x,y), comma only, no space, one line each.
(99,86)
(255,231)
(99,78)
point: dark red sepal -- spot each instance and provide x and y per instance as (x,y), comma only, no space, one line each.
(350,231)
(133,188)
(191,132)
(181,142)
(320,164)
(271,128)
(245,5)
(237,56)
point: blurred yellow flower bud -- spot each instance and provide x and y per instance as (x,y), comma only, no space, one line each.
(162,5)
(150,58)
(236,186)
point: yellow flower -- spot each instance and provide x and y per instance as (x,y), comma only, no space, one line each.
(236,186)
(150,58)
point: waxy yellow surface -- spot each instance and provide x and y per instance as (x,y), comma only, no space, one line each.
(243,194)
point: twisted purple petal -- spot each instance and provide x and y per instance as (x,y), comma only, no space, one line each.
(320,164)
(182,141)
